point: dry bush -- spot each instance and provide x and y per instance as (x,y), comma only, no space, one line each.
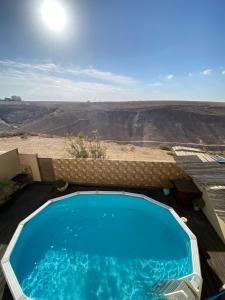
(127,148)
(165,147)
(131,148)
(82,146)
(24,136)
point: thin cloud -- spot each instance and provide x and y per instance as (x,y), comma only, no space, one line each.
(34,86)
(206,72)
(53,82)
(190,74)
(86,72)
(223,72)
(102,75)
(156,84)
(170,76)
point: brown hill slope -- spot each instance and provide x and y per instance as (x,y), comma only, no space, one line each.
(179,122)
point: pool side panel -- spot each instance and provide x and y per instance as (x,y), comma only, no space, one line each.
(193,241)
(23,222)
(12,243)
(7,268)
(10,276)
(13,282)
(111,192)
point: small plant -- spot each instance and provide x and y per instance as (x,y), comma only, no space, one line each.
(7,188)
(76,146)
(165,147)
(170,153)
(131,147)
(24,136)
(61,185)
(166,191)
(96,150)
(198,204)
(7,183)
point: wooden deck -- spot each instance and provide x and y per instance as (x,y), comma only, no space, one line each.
(212,250)
(208,175)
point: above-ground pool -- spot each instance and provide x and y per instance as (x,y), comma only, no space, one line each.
(98,245)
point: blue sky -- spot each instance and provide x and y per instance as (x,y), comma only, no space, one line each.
(114,50)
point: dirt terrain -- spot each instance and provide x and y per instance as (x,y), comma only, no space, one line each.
(55,147)
(141,122)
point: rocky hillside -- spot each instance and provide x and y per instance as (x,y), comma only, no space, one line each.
(178,122)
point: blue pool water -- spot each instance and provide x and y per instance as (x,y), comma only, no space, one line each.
(100,246)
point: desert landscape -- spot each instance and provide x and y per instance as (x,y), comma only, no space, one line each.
(129,130)
(56,147)
(145,123)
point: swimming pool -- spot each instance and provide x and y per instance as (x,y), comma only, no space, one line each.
(98,245)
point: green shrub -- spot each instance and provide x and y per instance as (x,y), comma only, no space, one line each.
(60,183)
(199,203)
(82,146)
(170,153)
(95,148)
(165,147)
(7,188)
(7,184)
(76,146)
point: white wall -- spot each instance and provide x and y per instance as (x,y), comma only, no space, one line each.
(9,164)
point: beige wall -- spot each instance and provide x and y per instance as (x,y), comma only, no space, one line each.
(215,221)
(212,217)
(30,160)
(46,169)
(9,164)
(117,173)
(222,227)
(209,212)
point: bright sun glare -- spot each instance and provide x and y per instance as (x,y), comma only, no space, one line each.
(54,15)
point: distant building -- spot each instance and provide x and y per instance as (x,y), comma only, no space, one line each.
(12,98)
(16,98)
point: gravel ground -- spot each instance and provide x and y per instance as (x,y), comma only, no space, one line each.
(55,147)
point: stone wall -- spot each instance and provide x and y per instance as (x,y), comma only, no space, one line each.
(117,173)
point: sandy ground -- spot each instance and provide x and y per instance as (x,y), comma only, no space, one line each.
(56,147)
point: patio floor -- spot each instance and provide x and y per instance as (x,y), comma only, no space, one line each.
(211,248)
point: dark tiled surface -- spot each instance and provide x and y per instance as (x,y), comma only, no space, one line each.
(211,248)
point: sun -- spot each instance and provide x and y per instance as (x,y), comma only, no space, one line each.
(54,15)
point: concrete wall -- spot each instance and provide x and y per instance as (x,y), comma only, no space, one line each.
(31,161)
(46,169)
(91,172)
(216,222)
(12,163)
(210,214)
(117,173)
(9,164)
(222,226)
